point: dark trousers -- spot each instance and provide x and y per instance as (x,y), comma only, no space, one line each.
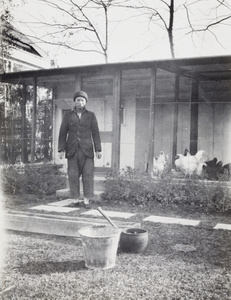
(79,164)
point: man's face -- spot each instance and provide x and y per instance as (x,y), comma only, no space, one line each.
(80,102)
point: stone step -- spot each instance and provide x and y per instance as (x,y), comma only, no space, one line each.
(55,225)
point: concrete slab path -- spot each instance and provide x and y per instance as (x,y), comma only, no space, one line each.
(62,207)
(223,226)
(63,203)
(167,220)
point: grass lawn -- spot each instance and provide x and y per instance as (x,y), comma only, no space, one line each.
(180,262)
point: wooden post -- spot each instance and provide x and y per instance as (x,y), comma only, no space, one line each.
(116,121)
(24,156)
(54,129)
(175,118)
(78,83)
(194,117)
(151,119)
(33,130)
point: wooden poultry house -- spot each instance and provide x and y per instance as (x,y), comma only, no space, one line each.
(142,107)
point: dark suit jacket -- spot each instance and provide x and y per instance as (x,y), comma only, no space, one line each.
(75,132)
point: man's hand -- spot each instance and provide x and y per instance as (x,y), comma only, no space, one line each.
(61,154)
(98,154)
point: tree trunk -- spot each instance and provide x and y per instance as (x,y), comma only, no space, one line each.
(170,28)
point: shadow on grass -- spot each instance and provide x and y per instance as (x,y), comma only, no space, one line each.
(48,267)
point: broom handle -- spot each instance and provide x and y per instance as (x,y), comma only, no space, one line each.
(106,217)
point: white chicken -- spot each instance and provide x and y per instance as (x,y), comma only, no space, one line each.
(178,161)
(191,164)
(159,164)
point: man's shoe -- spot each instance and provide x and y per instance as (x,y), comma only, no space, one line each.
(81,204)
(75,203)
(86,202)
(87,206)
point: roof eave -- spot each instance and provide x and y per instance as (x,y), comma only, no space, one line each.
(170,65)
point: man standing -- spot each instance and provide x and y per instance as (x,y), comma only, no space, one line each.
(79,138)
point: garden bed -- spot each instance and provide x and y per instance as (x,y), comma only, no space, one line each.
(168,191)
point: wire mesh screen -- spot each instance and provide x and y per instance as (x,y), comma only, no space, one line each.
(135,118)
(16,125)
(185,113)
(100,91)
(157,112)
(151,120)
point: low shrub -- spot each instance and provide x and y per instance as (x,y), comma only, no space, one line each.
(12,179)
(41,180)
(131,186)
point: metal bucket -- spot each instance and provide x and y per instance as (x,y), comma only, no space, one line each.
(100,244)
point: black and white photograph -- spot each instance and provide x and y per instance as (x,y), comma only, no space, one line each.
(115,150)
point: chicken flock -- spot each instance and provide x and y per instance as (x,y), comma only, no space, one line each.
(192,165)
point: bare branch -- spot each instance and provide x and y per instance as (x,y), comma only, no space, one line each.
(91,25)
(81,20)
(211,24)
(188,18)
(222,3)
(65,45)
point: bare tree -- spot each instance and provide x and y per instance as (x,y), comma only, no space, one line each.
(87,25)
(155,15)
(79,25)
(166,13)
(5,18)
